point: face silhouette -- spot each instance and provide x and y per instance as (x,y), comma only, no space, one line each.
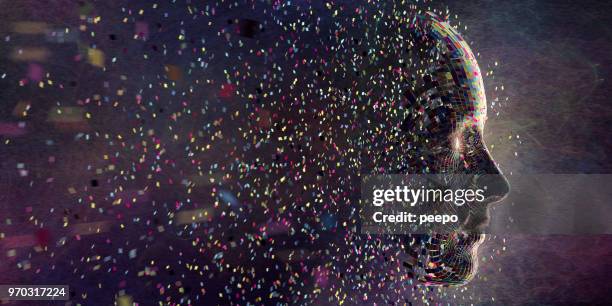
(448,125)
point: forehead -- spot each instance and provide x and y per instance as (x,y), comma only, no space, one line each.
(460,72)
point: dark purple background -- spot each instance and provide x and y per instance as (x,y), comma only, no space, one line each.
(554,61)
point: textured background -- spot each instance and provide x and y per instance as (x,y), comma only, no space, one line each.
(554,61)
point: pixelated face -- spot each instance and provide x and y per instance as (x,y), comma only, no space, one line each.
(446,127)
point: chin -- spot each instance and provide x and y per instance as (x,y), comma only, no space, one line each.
(452,259)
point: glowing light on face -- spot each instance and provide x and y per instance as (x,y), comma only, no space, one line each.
(457,144)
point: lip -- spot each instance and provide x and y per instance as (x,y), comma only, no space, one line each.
(477,222)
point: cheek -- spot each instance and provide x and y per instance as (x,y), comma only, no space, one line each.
(450,161)
(476,157)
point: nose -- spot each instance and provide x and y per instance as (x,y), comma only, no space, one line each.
(491,179)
